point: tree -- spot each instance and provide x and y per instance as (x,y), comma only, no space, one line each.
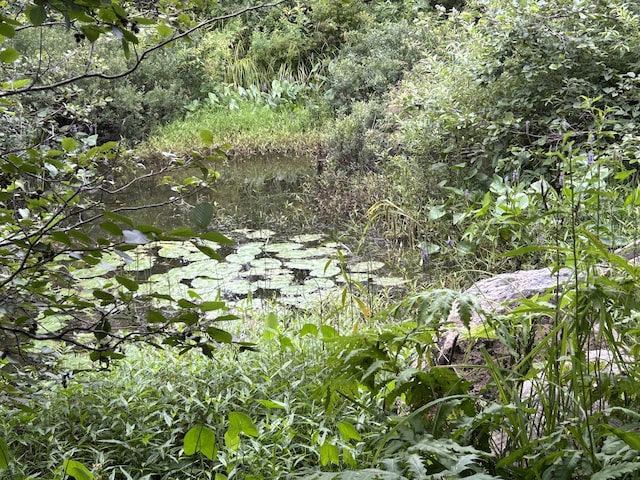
(55,175)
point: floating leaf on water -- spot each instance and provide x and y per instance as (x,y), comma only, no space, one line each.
(326,271)
(297,290)
(238,287)
(308,301)
(275,283)
(253,248)
(263,234)
(307,237)
(320,283)
(240,258)
(308,253)
(366,267)
(265,263)
(307,264)
(140,262)
(265,274)
(355,277)
(282,247)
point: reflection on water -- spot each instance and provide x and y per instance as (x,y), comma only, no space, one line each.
(251,193)
(259,192)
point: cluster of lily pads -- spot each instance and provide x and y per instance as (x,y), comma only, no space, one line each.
(299,272)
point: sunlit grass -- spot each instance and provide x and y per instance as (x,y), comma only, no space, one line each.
(248,130)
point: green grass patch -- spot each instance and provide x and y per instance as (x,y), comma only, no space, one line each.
(249,130)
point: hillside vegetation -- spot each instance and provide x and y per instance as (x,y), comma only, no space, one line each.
(475,138)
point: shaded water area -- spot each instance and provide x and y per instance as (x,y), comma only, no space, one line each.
(282,249)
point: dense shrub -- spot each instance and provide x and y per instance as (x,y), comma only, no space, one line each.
(348,141)
(514,81)
(151,96)
(371,63)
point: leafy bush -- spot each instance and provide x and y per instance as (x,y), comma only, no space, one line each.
(348,144)
(151,96)
(371,62)
(130,422)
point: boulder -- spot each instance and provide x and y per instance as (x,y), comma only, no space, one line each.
(496,294)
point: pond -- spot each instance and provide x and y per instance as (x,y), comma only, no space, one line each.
(281,252)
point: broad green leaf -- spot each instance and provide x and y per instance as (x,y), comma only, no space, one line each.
(15,84)
(111,228)
(69,144)
(206,136)
(7,30)
(129,284)
(36,15)
(200,439)
(328,331)
(629,437)
(164,30)
(202,215)
(226,318)
(77,470)
(102,295)
(210,306)
(184,303)
(329,454)
(216,237)
(5,458)
(209,252)
(272,404)
(437,212)
(243,423)
(270,326)
(232,439)
(309,329)
(154,316)
(220,336)
(118,218)
(348,431)
(91,32)
(9,55)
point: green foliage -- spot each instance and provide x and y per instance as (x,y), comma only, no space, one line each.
(371,63)
(348,147)
(164,415)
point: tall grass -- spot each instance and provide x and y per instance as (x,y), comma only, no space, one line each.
(248,130)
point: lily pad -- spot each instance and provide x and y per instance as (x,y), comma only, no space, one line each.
(263,234)
(366,267)
(282,247)
(238,287)
(265,263)
(327,271)
(307,264)
(262,273)
(185,250)
(254,248)
(308,253)
(240,258)
(140,262)
(320,283)
(275,283)
(307,237)
(356,277)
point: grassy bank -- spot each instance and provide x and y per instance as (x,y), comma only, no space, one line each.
(248,130)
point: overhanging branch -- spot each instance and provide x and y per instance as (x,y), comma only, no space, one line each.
(103,76)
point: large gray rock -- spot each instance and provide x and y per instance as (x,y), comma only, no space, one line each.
(495,295)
